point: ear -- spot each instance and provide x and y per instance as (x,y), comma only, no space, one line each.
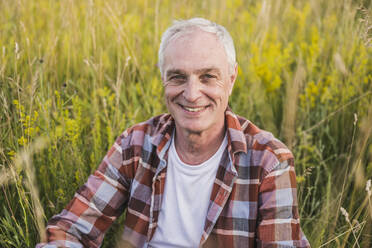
(233,77)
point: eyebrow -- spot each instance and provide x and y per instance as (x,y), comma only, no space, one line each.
(199,71)
(174,71)
(208,70)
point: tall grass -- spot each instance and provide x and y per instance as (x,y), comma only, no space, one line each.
(75,74)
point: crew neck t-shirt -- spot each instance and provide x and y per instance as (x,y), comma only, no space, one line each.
(186,200)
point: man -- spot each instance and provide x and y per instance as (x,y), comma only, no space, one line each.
(199,176)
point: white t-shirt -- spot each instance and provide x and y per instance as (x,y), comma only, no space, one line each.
(186,199)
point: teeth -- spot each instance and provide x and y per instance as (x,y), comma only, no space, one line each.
(193,109)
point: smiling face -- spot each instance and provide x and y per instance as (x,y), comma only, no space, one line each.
(197,82)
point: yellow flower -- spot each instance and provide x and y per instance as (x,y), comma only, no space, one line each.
(11,153)
(22,141)
(300,179)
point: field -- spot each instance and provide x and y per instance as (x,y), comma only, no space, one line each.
(75,74)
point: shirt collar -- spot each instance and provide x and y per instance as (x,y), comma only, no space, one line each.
(234,126)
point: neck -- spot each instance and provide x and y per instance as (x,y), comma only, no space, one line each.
(195,148)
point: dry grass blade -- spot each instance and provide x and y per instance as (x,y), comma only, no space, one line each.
(290,106)
(23,161)
(336,111)
(5,177)
(356,227)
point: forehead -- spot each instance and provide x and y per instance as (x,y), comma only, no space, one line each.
(195,50)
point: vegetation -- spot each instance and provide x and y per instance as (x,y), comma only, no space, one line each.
(75,74)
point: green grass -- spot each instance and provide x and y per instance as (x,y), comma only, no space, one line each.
(75,74)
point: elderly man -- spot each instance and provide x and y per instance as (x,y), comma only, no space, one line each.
(199,176)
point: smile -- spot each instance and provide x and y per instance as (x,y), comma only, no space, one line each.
(193,109)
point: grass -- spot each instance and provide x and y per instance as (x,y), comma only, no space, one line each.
(75,74)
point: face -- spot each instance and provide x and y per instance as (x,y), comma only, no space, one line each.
(197,81)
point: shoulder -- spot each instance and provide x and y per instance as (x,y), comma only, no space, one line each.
(142,132)
(136,143)
(263,148)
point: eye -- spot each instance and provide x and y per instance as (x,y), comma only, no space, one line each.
(179,78)
(207,77)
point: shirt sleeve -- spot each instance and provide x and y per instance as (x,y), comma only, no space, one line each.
(278,218)
(94,206)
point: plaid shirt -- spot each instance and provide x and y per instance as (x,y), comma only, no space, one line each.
(253,202)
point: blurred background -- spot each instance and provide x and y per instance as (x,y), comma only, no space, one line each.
(75,74)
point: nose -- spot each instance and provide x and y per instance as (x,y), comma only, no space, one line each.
(192,89)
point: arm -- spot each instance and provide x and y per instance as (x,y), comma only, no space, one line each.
(278,218)
(94,207)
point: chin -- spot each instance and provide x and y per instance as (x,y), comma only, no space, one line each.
(195,128)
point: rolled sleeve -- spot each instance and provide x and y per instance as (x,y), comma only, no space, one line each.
(278,220)
(94,207)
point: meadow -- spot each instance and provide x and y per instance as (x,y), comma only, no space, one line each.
(75,74)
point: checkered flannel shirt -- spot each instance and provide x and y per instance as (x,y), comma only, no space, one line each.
(253,202)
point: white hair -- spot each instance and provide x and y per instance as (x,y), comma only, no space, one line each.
(187,26)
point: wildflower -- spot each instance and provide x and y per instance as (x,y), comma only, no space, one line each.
(368,188)
(300,179)
(11,154)
(36,115)
(345,213)
(22,141)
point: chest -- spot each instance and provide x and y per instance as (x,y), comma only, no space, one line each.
(233,200)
